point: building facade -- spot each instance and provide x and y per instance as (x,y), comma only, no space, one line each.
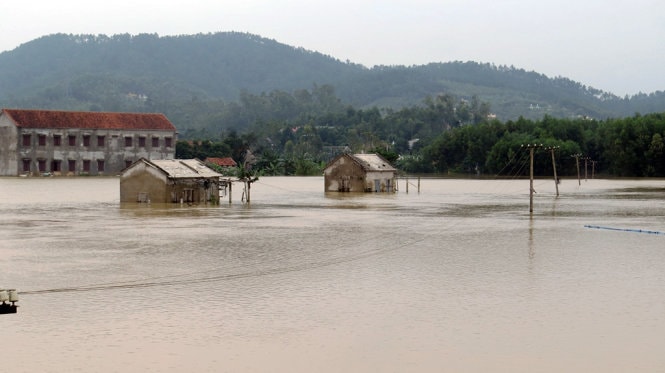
(359,173)
(47,142)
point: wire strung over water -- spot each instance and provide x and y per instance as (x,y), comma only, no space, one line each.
(518,164)
(625,229)
(201,277)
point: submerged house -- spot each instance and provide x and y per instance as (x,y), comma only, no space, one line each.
(39,142)
(359,173)
(169,181)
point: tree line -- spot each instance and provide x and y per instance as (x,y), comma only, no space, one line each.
(290,134)
(626,147)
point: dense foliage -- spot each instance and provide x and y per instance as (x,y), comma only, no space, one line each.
(629,147)
(443,135)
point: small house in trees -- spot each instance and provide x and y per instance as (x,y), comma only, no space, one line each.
(224,163)
(359,173)
(169,181)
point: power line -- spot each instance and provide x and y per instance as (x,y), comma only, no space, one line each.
(177,279)
(625,229)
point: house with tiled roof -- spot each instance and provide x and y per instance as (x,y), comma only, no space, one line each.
(39,142)
(359,173)
(226,162)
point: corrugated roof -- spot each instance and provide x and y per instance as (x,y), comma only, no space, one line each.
(88,120)
(184,168)
(373,162)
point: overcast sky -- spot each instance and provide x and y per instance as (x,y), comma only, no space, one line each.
(613,45)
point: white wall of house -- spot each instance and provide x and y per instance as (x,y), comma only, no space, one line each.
(380,181)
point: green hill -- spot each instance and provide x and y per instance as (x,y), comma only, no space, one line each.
(179,75)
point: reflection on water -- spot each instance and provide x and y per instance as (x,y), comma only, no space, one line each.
(458,277)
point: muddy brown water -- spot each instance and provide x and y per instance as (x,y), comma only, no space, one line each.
(456,278)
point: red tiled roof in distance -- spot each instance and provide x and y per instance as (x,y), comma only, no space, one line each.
(223,162)
(88,120)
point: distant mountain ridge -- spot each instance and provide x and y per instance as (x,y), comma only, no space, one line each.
(121,72)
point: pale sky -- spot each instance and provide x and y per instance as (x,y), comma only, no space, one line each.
(614,45)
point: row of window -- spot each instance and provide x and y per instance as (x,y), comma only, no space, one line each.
(56,165)
(101,141)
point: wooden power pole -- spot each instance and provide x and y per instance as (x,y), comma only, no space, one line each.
(531,148)
(577,164)
(556,178)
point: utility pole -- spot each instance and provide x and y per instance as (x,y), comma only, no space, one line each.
(586,160)
(531,147)
(577,164)
(556,179)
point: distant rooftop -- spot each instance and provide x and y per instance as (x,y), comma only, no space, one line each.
(88,120)
(223,162)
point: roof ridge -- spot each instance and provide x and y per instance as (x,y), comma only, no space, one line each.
(60,119)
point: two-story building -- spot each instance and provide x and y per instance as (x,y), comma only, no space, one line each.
(38,142)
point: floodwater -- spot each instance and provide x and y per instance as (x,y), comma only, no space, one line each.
(457,278)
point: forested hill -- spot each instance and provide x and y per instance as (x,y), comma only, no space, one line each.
(164,68)
(148,72)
